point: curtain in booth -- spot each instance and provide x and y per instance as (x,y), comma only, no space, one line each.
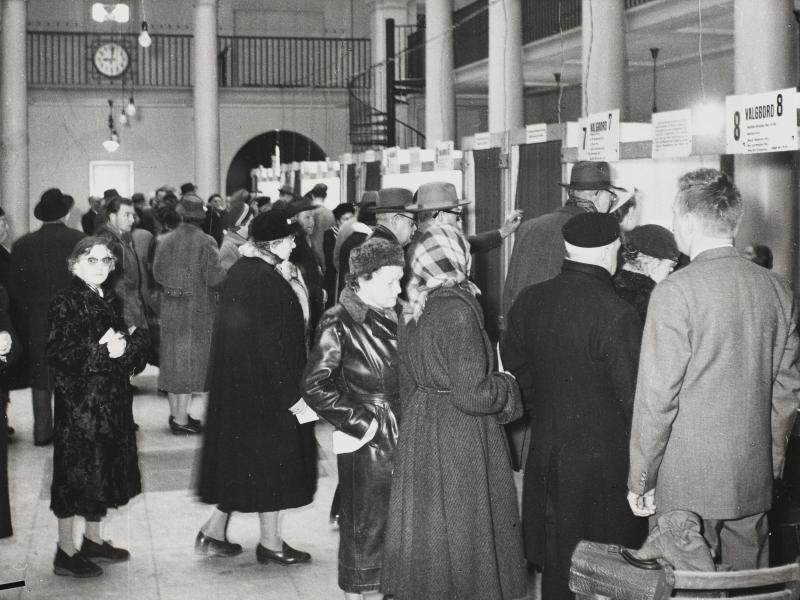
(350,178)
(373,176)
(538,192)
(487,266)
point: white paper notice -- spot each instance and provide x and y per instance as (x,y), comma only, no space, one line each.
(482,141)
(536,133)
(764,122)
(672,134)
(444,156)
(599,136)
(307,415)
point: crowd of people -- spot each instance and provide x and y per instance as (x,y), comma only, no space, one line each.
(635,390)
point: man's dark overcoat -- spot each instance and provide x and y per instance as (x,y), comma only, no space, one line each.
(38,272)
(573,346)
(256,456)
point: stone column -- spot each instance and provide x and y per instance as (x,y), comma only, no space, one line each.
(14,192)
(505,65)
(603,30)
(767,181)
(440,97)
(206,98)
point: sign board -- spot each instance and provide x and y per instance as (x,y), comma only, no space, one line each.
(390,160)
(672,133)
(414,159)
(599,136)
(444,155)
(482,141)
(765,122)
(369,156)
(536,133)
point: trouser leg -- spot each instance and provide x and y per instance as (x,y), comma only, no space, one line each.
(42,414)
(739,543)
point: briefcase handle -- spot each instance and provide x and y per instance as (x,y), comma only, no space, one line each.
(651,564)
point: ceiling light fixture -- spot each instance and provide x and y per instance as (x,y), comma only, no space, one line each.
(112,143)
(117,13)
(144,38)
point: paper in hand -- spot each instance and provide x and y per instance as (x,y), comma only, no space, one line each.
(109,335)
(307,415)
(499,358)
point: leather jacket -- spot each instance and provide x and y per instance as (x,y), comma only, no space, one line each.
(351,376)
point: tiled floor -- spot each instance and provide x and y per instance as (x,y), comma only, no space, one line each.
(159,526)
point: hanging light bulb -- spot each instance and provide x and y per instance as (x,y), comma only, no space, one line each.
(123,118)
(130,110)
(144,38)
(112,143)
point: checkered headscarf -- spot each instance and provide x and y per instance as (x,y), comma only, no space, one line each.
(439,258)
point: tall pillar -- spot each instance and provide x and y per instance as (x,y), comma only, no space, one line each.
(767,181)
(440,96)
(505,65)
(603,30)
(14,192)
(206,98)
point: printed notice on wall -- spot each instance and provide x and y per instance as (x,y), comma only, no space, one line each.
(483,141)
(765,122)
(444,156)
(536,133)
(672,133)
(599,136)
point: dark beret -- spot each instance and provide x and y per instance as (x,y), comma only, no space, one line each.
(272,225)
(591,230)
(652,240)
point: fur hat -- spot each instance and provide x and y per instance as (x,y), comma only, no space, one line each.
(110,193)
(272,225)
(374,254)
(52,205)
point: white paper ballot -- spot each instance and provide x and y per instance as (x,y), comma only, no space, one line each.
(109,335)
(499,358)
(343,443)
(307,415)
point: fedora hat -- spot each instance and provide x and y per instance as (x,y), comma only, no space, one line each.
(437,195)
(110,193)
(394,200)
(590,175)
(52,205)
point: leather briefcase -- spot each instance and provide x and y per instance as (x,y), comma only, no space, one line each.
(611,571)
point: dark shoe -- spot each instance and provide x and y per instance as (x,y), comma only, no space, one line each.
(196,423)
(209,546)
(188,429)
(76,565)
(104,551)
(287,556)
(44,442)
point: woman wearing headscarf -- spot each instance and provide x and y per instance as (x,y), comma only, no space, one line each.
(256,456)
(351,381)
(92,354)
(454,529)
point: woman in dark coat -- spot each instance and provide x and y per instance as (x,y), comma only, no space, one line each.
(351,381)
(454,528)
(256,456)
(92,355)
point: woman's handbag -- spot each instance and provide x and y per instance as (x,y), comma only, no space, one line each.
(612,571)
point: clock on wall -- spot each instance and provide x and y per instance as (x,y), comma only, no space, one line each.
(111,59)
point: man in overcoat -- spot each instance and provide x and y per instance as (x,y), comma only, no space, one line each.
(573,345)
(718,380)
(38,271)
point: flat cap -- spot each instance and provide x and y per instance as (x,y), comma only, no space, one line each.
(652,240)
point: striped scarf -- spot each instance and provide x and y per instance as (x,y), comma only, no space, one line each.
(439,258)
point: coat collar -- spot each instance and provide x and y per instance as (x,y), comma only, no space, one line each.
(714,253)
(383,232)
(358,309)
(599,273)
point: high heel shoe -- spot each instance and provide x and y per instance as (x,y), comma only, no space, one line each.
(286,556)
(209,546)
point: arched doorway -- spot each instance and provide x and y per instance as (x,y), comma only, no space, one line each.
(259,150)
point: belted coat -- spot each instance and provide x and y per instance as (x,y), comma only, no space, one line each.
(351,380)
(187,266)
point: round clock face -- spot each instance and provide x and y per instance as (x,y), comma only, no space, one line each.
(111,59)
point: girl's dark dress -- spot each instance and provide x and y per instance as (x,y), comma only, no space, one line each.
(95,463)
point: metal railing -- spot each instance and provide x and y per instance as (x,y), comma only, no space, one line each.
(58,58)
